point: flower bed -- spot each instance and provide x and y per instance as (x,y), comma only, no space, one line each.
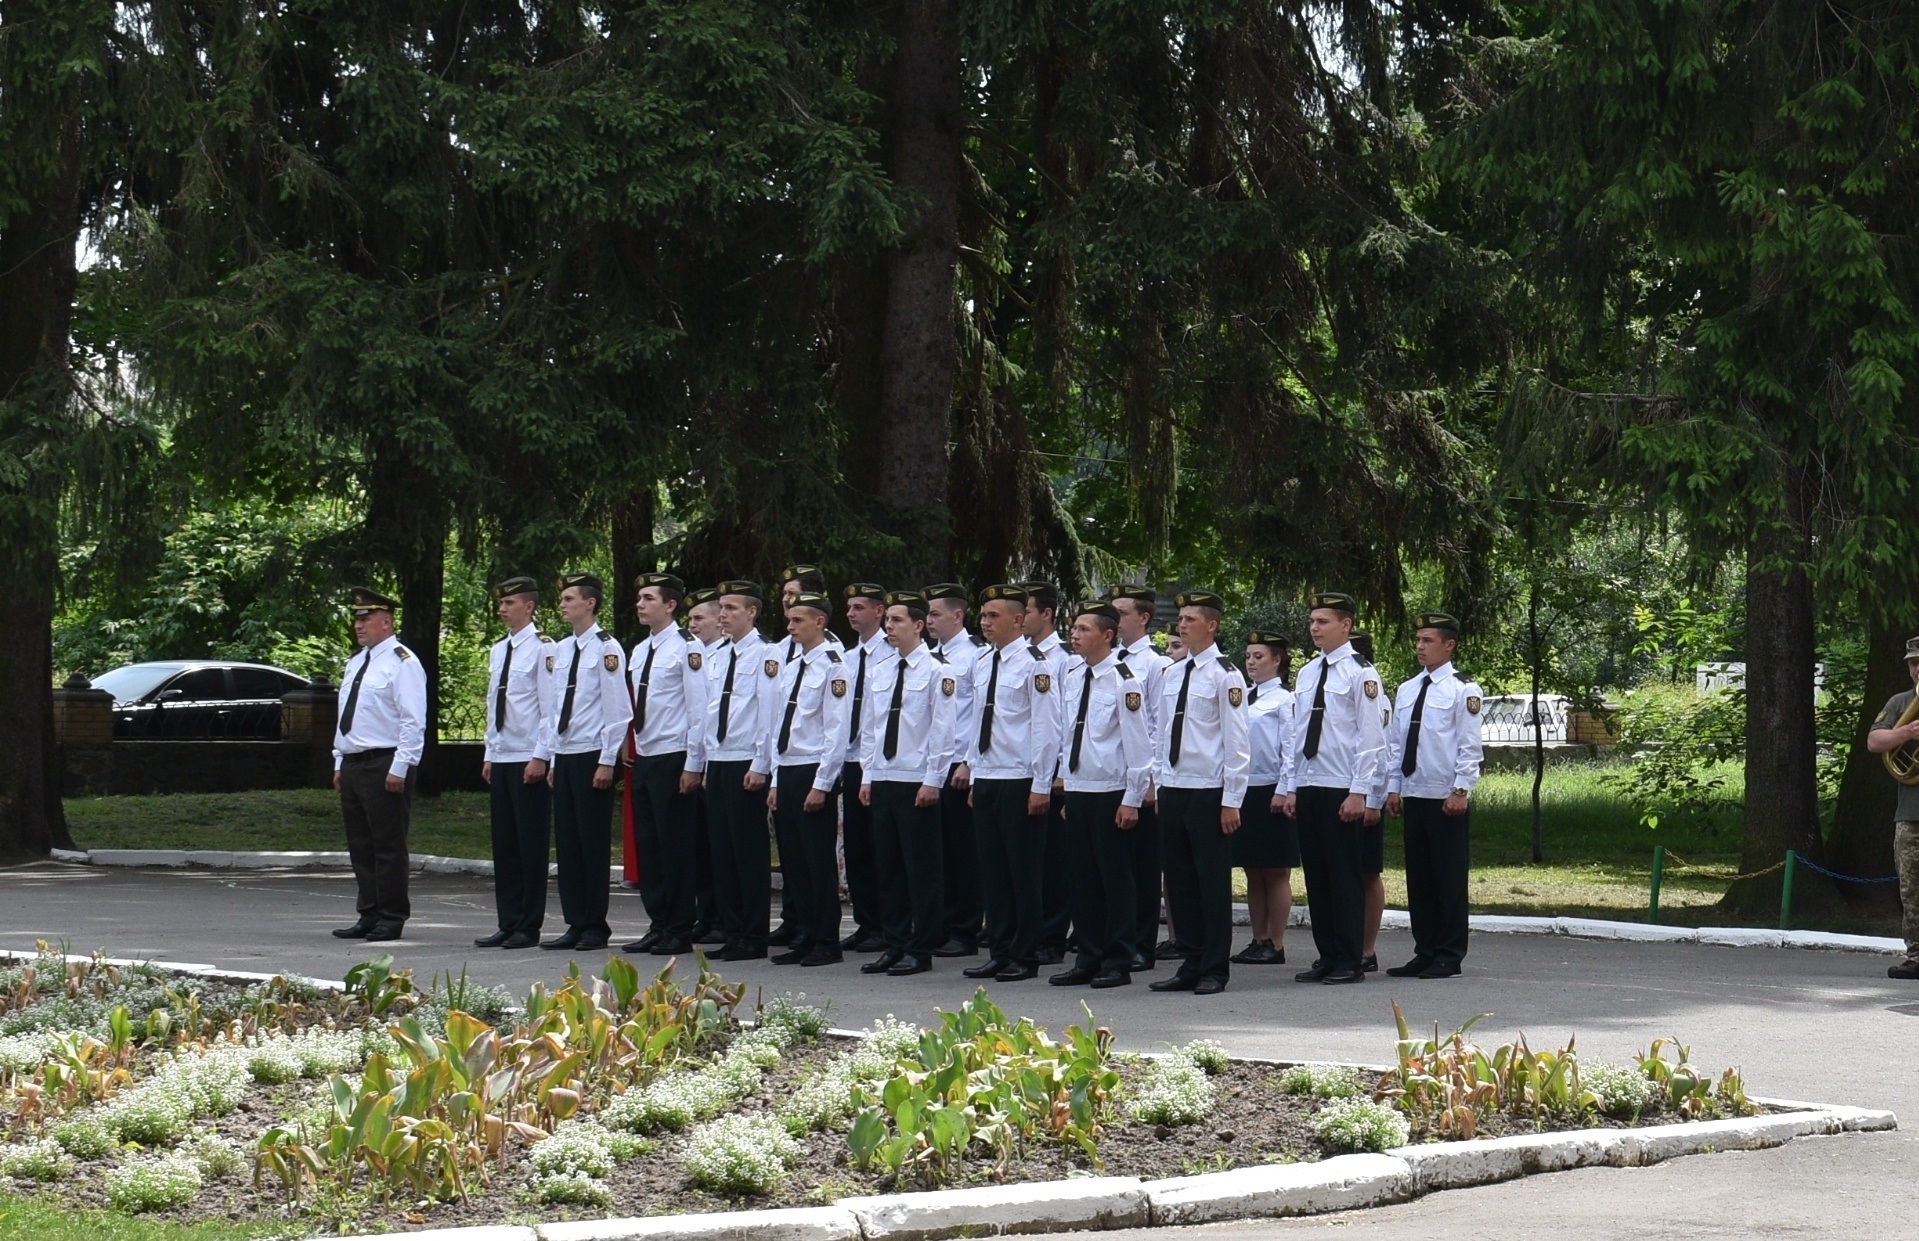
(382,1105)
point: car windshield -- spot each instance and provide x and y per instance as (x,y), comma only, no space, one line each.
(135,681)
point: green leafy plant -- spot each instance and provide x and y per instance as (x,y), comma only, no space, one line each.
(1176,1091)
(740,1155)
(1689,1090)
(1347,1125)
(1320,1081)
(154,1183)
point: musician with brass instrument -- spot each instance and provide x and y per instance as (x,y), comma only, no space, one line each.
(1895,737)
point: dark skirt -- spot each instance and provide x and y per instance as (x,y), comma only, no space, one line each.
(1264,839)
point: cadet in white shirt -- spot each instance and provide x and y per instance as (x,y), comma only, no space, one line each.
(703,626)
(946,604)
(865,610)
(515,768)
(741,714)
(808,750)
(1433,764)
(1107,767)
(794,579)
(589,712)
(1372,847)
(1266,845)
(1042,630)
(906,748)
(1200,769)
(1012,747)
(1135,605)
(1338,741)
(669,761)
(377,743)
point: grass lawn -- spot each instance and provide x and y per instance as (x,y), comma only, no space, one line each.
(22,1217)
(1598,857)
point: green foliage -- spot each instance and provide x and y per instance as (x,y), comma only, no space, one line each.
(1176,1091)
(154,1182)
(42,1160)
(1320,1081)
(740,1155)
(1349,1125)
(1685,1088)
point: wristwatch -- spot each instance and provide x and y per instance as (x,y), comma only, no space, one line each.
(1461,793)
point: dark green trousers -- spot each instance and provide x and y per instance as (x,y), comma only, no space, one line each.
(1100,859)
(582,841)
(1438,873)
(907,858)
(376,828)
(1198,859)
(522,836)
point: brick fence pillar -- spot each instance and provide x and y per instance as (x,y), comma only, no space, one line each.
(82,715)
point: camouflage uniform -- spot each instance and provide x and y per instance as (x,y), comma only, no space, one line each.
(1905,838)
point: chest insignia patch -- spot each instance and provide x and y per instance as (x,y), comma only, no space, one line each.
(612,663)
(693,660)
(772,667)
(1372,689)
(839,687)
(1132,700)
(946,686)
(1235,695)
(549,663)
(1472,704)
(1043,682)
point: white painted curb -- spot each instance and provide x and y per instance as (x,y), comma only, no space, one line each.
(1339,1184)
(1004,1210)
(793,1224)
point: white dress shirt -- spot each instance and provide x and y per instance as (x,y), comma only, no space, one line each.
(522,735)
(1147,664)
(960,654)
(923,737)
(1115,746)
(1352,737)
(746,682)
(1024,744)
(667,673)
(1269,729)
(1449,736)
(815,702)
(592,665)
(1059,661)
(389,712)
(1213,746)
(863,660)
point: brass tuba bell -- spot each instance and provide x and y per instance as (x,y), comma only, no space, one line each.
(1903,762)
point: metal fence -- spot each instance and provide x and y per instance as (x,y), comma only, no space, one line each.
(1508,718)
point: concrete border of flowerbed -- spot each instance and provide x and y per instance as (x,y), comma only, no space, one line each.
(1394,920)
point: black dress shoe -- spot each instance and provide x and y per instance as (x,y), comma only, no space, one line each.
(792,956)
(492,941)
(1336,978)
(1078,976)
(1049,955)
(1369,965)
(644,943)
(1316,974)
(1251,954)
(383,931)
(989,969)
(357,931)
(1209,986)
(563,943)
(784,934)
(862,940)
(1111,978)
(1178,982)
(1905,969)
(707,935)
(671,947)
(592,941)
(910,964)
(825,954)
(1168,951)
(883,962)
(1274,956)
(1412,969)
(522,939)
(956,948)
(740,952)
(1441,969)
(1018,971)
(1145,961)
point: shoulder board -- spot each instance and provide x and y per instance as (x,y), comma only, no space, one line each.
(834,655)
(603,635)
(938,656)
(1361,660)
(402,652)
(1126,673)
(686,635)
(547,638)
(1037,653)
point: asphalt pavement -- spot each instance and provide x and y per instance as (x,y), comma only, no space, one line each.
(1818,1026)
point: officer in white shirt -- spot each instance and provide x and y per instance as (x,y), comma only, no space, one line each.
(865,612)
(1266,846)
(946,604)
(906,749)
(1338,742)
(794,579)
(669,688)
(1199,768)
(703,627)
(808,750)
(515,766)
(1012,747)
(589,714)
(1106,766)
(377,743)
(1433,763)
(1135,605)
(742,710)
(1042,630)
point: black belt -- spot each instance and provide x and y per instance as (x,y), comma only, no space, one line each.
(368,756)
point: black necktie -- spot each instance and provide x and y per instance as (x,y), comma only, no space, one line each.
(572,683)
(893,712)
(1411,760)
(986,708)
(353,695)
(1179,714)
(726,692)
(639,695)
(1318,720)
(1079,722)
(1252,695)
(792,704)
(499,695)
(859,697)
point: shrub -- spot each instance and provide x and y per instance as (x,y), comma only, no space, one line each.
(1176,1092)
(676,1101)
(1622,1093)
(152,1114)
(797,1023)
(274,1061)
(574,1189)
(1360,1125)
(1320,1081)
(43,1160)
(21,1055)
(1208,1055)
(576,1148)
(85,1138)
(154,1183)
(217,1158)
(740,1155)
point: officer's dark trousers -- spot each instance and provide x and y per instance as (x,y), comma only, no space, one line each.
(1012,852)
(906,854)
(1146,848)
(522,834)
(1438,866)
(742,860)
(1329,851)
(582,841)
(1101,861)
(664,834)
(376,827)
(813,865)
(1198,860)
(1057,881)
(706,908)
(862,877)
(959,848)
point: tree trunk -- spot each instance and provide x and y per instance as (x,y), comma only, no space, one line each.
(422,601)
(1860,842)
(1782,803)
(1537,659)
(632,556)
(918,349)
